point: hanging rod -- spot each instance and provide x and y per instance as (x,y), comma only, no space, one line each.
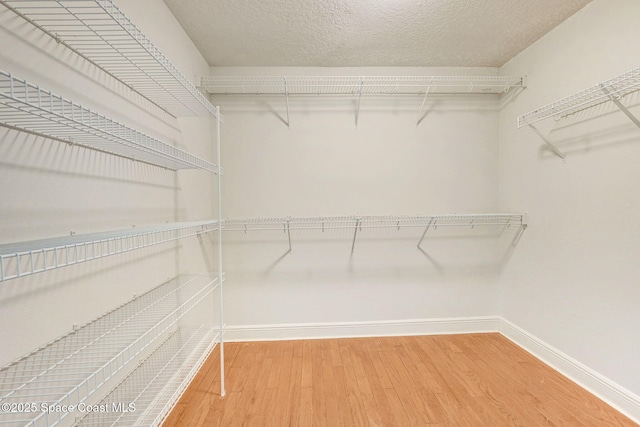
(70,369)
(27,258)
(358,85)
(618,87)
(27,107)
(286,224)
(101,33)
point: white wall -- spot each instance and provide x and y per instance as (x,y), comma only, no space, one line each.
(50,189)
(573,280)
(323,165)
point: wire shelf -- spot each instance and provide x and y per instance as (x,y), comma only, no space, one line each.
(617,87)
(354,85)
(26,258)
(362,222)
(99,31)
(156,385)
(70,369)
(27,107)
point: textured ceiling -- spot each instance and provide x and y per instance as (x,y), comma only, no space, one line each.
(340,33)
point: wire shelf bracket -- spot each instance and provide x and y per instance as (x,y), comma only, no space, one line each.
(359,99)
(622,108)
(546,140)
(28,108)
(611,90)
(74,367)
(425,232)
(27,258)
(355,233)
(100,32)
(286,98)
(424,100)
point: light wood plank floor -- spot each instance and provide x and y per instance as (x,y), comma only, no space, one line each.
(452,380)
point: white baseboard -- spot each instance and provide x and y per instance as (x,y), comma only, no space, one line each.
(465,325)
(623,400)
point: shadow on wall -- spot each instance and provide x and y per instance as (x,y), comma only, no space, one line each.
(410,105)
(387,251)
(41,155)
(60,175)
(72,276)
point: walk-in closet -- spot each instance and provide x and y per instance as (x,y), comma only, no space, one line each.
(376,213)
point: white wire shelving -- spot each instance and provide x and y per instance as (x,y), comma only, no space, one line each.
(610,90)
(359,85)
(101,33)
(355,85)
(27,258)
(358,223)
(29,108)
(387,221)
(147,395)
(70,369)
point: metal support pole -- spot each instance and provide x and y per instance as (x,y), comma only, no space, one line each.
(355,232)
(624,109)
(551,146)
(286,98)
(359,98)
(425,232)
(220,287)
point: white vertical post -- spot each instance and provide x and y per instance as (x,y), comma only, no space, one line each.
(222,390)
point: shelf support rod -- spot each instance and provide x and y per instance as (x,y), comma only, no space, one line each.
(220,279)
(424,100)
(359,98)
(425,232)
(546,140)
(355,232)
(622,108)
(286,98)
(289,232)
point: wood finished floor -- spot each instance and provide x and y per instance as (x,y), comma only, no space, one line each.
(450,380)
